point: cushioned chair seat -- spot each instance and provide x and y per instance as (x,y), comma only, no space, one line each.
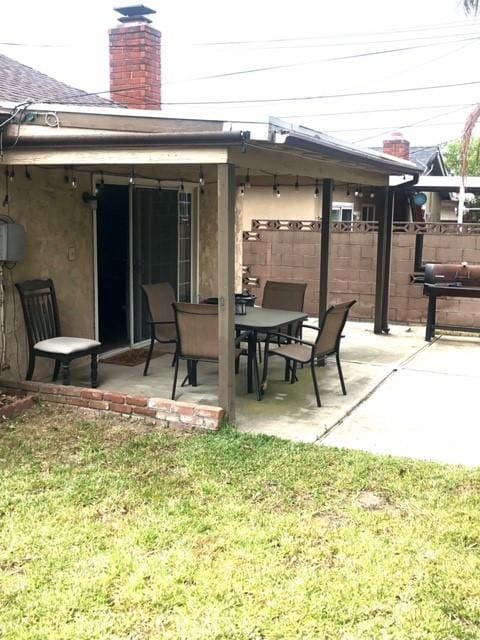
(65,345)
(45,340)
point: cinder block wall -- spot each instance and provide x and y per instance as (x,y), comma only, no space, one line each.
(294,256)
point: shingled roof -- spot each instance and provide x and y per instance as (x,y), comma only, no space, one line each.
(19,82)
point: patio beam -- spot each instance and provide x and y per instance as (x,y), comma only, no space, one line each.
(327,190)
(146,155)
(226,289)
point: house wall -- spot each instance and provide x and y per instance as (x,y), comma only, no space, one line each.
(433,207)
(260,203)
(285,255)
(59,245)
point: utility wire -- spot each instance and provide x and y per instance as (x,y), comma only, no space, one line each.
(382,110)
(354,56)
(324,96)
(445,26)
(412,29)
(419,122)
(323,44)
(84,94)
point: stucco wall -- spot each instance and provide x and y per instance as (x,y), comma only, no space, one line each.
(59,246)
(260,203)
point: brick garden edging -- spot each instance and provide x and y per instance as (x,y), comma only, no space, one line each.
(21,403)
(159,411)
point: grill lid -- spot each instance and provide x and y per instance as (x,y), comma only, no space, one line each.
(462,274)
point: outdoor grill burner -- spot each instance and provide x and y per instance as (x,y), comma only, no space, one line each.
(449,280)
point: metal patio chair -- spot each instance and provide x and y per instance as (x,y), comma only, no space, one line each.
(40,310)
(298,351)
(197,331)
(159,298)
(288,296)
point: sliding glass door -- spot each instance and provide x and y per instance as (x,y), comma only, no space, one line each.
(161,247)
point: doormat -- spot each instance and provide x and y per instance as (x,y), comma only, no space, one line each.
(133,357)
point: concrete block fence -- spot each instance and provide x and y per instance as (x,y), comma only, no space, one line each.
(157,411)
(290,254)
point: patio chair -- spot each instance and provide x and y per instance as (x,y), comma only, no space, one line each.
(288,296)
(197,331)
(159,298)
(40,310)
(298,351)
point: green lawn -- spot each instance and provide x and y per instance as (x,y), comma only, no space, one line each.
(108,530)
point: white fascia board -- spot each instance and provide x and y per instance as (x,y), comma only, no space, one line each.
(446,183)
(107,110)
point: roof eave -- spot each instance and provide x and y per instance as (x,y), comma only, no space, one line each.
(340,152)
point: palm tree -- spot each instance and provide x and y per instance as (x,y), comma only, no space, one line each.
(471,7)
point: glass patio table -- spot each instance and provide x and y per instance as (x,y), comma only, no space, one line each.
(258,320)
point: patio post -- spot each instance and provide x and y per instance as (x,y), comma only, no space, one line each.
(226,288)
(388,260)
(327,189)
(384,246)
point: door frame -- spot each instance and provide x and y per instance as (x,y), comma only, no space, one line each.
(147,183)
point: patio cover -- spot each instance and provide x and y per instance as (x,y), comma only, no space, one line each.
(92,137)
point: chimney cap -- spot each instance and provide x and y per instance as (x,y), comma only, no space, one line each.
(394,136)
(134,13)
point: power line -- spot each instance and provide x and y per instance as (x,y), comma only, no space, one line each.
(432,27)
(368,111)
(404,126)
(51,45)
(322,60)
(420,122)
(446,26)
(83,94)
(322,97)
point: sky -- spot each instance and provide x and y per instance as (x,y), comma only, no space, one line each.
(332,66)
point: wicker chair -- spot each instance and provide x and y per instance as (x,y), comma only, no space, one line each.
(298,351)
(159,298)
(197,331)
(40,310)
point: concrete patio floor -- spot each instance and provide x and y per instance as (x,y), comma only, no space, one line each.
(405,396)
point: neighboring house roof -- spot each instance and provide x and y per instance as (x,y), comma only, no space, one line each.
(19,83)
(430,159)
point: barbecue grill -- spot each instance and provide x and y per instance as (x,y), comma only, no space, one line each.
(449,280)
(453,275)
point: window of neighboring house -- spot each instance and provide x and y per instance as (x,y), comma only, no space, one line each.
(368,213)
(342,212)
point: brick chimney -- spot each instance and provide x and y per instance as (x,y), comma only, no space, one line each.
(396,145)
(135,60)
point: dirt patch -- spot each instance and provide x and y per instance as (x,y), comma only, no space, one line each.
(371,501)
